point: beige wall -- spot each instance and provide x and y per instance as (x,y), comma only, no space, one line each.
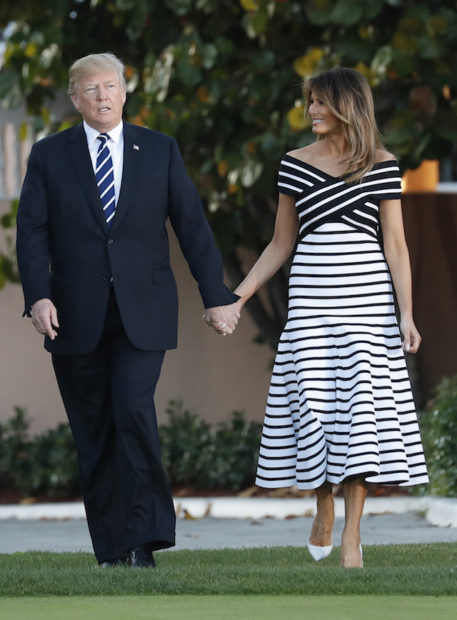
(212,374)
(215,375)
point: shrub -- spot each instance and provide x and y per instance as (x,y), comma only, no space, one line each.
(186,442)
(195,454)
(198,455)
(236,450)
(45,463)
(54,457)
(439,432)
(15,464)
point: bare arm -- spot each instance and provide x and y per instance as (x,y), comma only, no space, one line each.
(277,251)
(397,256)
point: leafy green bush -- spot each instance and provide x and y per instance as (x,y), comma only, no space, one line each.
(236,451)
(198,455)
(439,433)
(45,463)
(15,465)
(186,445)
(53,455)
(194,454)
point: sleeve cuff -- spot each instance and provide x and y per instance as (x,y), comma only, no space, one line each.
(224,297)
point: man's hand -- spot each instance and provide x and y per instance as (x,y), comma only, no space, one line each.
(44,318)
(223,319)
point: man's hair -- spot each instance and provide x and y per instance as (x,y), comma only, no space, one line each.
(92,63)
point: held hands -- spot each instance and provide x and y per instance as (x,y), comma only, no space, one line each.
(411,337)
(223,319)
(44,318)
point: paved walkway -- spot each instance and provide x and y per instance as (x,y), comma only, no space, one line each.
(25,528)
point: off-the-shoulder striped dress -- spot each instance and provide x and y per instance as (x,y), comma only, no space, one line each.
(340,402)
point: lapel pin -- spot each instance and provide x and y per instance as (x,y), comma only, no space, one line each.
(136,147)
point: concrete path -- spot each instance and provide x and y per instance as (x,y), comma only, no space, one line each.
(60,527)
(210,533)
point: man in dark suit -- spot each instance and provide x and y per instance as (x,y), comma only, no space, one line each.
(94,261)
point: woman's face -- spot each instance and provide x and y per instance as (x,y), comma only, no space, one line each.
(323,120)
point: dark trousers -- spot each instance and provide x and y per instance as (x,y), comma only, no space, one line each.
(109,399)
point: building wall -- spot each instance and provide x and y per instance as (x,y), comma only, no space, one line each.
(215,375)
(212,374)
(431,232)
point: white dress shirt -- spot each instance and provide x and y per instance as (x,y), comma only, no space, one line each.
(116,148)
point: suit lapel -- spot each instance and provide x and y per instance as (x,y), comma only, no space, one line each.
(79,153)
(131,172)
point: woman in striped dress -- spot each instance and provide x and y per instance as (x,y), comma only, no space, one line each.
(340,408)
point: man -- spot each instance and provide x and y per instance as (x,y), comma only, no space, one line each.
(94,261)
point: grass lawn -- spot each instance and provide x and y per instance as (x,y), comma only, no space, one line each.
(427,570)
(266,607)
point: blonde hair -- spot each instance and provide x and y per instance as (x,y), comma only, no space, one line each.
(347,94)
(92,63)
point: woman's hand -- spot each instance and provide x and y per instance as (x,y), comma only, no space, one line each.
(411,337)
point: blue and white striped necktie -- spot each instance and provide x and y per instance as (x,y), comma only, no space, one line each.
(104,175)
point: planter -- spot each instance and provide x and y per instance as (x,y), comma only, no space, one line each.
(422,179)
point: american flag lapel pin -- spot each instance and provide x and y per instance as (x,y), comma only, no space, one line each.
(136,147)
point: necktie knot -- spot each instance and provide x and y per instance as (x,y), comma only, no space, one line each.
(103,137)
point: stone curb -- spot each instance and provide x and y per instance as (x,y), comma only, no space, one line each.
(439,511)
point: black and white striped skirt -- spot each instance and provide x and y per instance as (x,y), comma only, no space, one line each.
(340,402)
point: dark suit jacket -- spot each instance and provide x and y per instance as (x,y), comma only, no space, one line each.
(67,253)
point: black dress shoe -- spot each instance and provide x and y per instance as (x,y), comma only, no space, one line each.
(113,563)
(141,557)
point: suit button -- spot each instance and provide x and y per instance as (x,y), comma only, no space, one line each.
(110,241)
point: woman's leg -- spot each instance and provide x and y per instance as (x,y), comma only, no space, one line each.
(321,532)
(354,492)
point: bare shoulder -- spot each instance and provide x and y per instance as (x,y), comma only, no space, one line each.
(306,153)
(382,155)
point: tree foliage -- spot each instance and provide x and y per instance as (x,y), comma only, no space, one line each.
(8,265)
(224,77)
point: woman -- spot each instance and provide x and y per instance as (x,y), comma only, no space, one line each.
(340,407)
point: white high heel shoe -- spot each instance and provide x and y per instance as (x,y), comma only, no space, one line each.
(319,553)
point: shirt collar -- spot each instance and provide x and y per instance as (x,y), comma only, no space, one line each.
(92,134)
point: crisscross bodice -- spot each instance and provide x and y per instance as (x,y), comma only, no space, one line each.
(321,198)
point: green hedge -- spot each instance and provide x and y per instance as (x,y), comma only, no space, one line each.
(42,464)
(439,433)
(194,453)
(201,456)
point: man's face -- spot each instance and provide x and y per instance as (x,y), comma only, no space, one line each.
(100,98)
